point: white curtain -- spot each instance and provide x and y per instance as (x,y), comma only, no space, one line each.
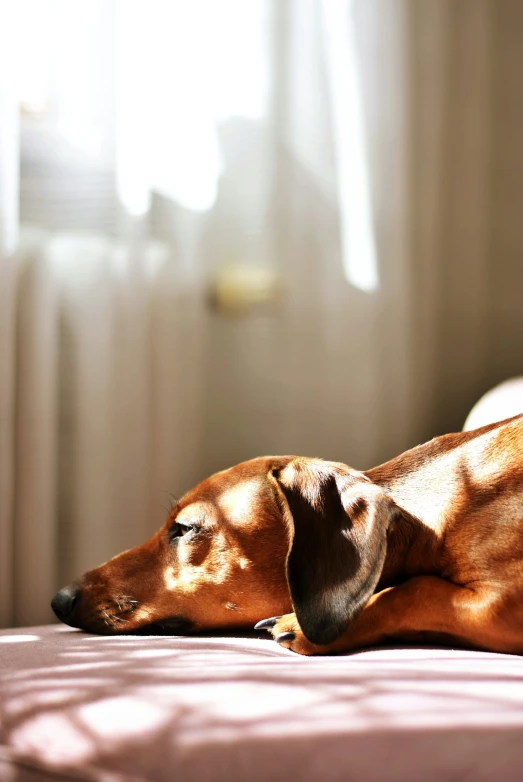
(103,307)
(400,311)
(359,152)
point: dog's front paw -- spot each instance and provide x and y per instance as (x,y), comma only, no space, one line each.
(286,631)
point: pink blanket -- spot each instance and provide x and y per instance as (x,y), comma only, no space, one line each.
(237,709)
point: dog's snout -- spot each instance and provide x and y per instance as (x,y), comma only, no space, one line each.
(65,600)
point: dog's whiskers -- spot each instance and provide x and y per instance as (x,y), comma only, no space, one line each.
(108,618)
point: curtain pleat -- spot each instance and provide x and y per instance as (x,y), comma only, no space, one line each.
(9,145)
(35,463)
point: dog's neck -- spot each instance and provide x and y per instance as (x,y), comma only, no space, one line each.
(429,486)
(429,481)
(409,543)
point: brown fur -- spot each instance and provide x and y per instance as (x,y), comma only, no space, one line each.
(426,546)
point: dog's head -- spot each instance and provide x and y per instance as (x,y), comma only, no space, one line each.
(265,537)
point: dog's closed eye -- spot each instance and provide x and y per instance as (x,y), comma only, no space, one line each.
(181,530)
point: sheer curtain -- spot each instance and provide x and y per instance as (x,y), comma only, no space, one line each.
(395,226)
(358,150)
(103,316)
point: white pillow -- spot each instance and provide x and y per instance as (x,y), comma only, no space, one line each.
(500,402)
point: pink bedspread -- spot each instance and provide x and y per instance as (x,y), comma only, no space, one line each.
(82,707)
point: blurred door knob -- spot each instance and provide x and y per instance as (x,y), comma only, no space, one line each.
(239,289)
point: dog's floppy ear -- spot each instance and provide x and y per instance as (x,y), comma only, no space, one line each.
(338,523)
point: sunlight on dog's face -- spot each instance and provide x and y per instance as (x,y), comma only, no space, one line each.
(218,561)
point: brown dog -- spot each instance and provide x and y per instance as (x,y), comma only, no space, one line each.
(428,546)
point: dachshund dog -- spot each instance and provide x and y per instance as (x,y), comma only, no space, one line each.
(427,547)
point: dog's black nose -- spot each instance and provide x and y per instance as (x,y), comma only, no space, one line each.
(65,600)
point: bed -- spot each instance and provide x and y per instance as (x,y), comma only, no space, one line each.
(76,706)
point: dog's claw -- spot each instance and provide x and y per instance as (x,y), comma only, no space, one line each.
(285,637)
(265,624)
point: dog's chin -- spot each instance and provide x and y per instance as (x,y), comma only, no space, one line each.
(172,625)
